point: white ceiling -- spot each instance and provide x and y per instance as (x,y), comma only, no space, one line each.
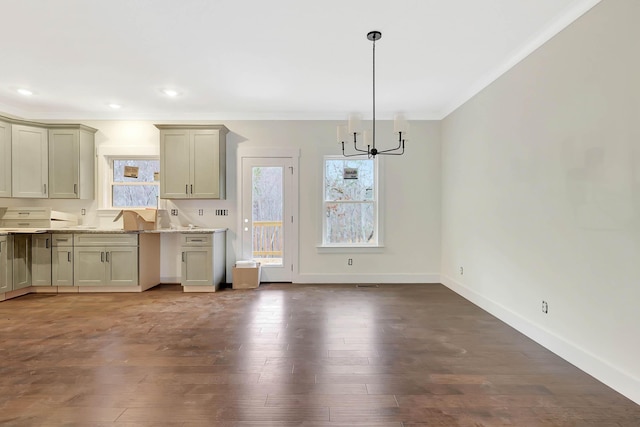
(258,59)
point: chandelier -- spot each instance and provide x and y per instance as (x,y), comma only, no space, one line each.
(354,129)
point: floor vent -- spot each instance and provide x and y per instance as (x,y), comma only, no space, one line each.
(367,286)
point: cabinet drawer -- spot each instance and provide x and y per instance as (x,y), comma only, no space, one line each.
(96,239)
(190,239)
(26,223)
(62,239)
(28,214)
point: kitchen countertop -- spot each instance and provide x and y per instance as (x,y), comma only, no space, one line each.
(86,230)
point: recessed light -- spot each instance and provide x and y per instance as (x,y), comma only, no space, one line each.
(25,92)
(115,106)
(170,92)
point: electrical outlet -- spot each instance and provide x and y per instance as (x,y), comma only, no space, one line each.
(174,212)
(83,211)
(222,212)
(461,271)
(545,307)
(200,212)
(350,261)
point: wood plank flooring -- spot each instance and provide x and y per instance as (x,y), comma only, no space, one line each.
(285,355)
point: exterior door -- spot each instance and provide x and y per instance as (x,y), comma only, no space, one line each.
(269,223)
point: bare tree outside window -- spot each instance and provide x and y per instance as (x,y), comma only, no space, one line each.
(132,191)
(350,204)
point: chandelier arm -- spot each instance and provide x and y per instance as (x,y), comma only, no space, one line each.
(351,155)
(400,146)
(392,152)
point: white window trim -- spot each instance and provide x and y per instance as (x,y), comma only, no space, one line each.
(105,156)
(323,247)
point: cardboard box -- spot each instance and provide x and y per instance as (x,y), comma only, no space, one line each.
(246,277)
(138,219)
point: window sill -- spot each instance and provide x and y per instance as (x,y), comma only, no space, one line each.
(106,212)
(338,249)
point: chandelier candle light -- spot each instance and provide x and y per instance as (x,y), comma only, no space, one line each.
(400,125)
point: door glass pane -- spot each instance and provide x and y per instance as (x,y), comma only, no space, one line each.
(267,214)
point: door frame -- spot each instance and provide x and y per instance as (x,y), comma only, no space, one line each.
(265,153)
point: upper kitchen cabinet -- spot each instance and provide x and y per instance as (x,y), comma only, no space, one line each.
(41,160)
(29,161)
(192,161)
(71,163)
(5,159)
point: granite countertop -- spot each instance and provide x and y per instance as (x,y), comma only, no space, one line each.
(87,230)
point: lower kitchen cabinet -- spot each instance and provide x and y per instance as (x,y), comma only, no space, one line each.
(203,262)
(21,261)
(62,260)
(6,270)
(41,260)
(97,264)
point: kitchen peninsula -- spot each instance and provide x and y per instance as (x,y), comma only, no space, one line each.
(84,260)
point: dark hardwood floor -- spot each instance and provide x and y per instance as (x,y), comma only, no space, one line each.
(285,355)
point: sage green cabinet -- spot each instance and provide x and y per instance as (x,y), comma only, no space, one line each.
(105,260)
(5,159)
(29,161)
(6,275)
(192,161)
(71,163)
(41,260)
(21,261)
(41,160)
(62,260)
(203,259)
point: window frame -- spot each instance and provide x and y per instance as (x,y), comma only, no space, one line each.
(112,183)
(377,240)
(105,170)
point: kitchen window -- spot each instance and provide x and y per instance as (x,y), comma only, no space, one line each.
(134,182)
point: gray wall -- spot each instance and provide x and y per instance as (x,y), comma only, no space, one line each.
(541,195)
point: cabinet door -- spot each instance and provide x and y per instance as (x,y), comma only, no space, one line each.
(62,266)
(204,173)
(21,261)
(41,260)
(64,156)
(6,278)
(174,164)
(30,162)
(5,159)
(197,266)
(88,266)
(122,266)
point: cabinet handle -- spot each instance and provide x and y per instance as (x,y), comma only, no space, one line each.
(182,256)
(191,188)
(0,247)
(46,244)
(68,256)
(75,188)
(107,256)
(23,224)
(196,240)
(101,256)
(45,189)
(186,189)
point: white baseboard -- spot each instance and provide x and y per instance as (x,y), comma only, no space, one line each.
(367,278)
(600,369)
